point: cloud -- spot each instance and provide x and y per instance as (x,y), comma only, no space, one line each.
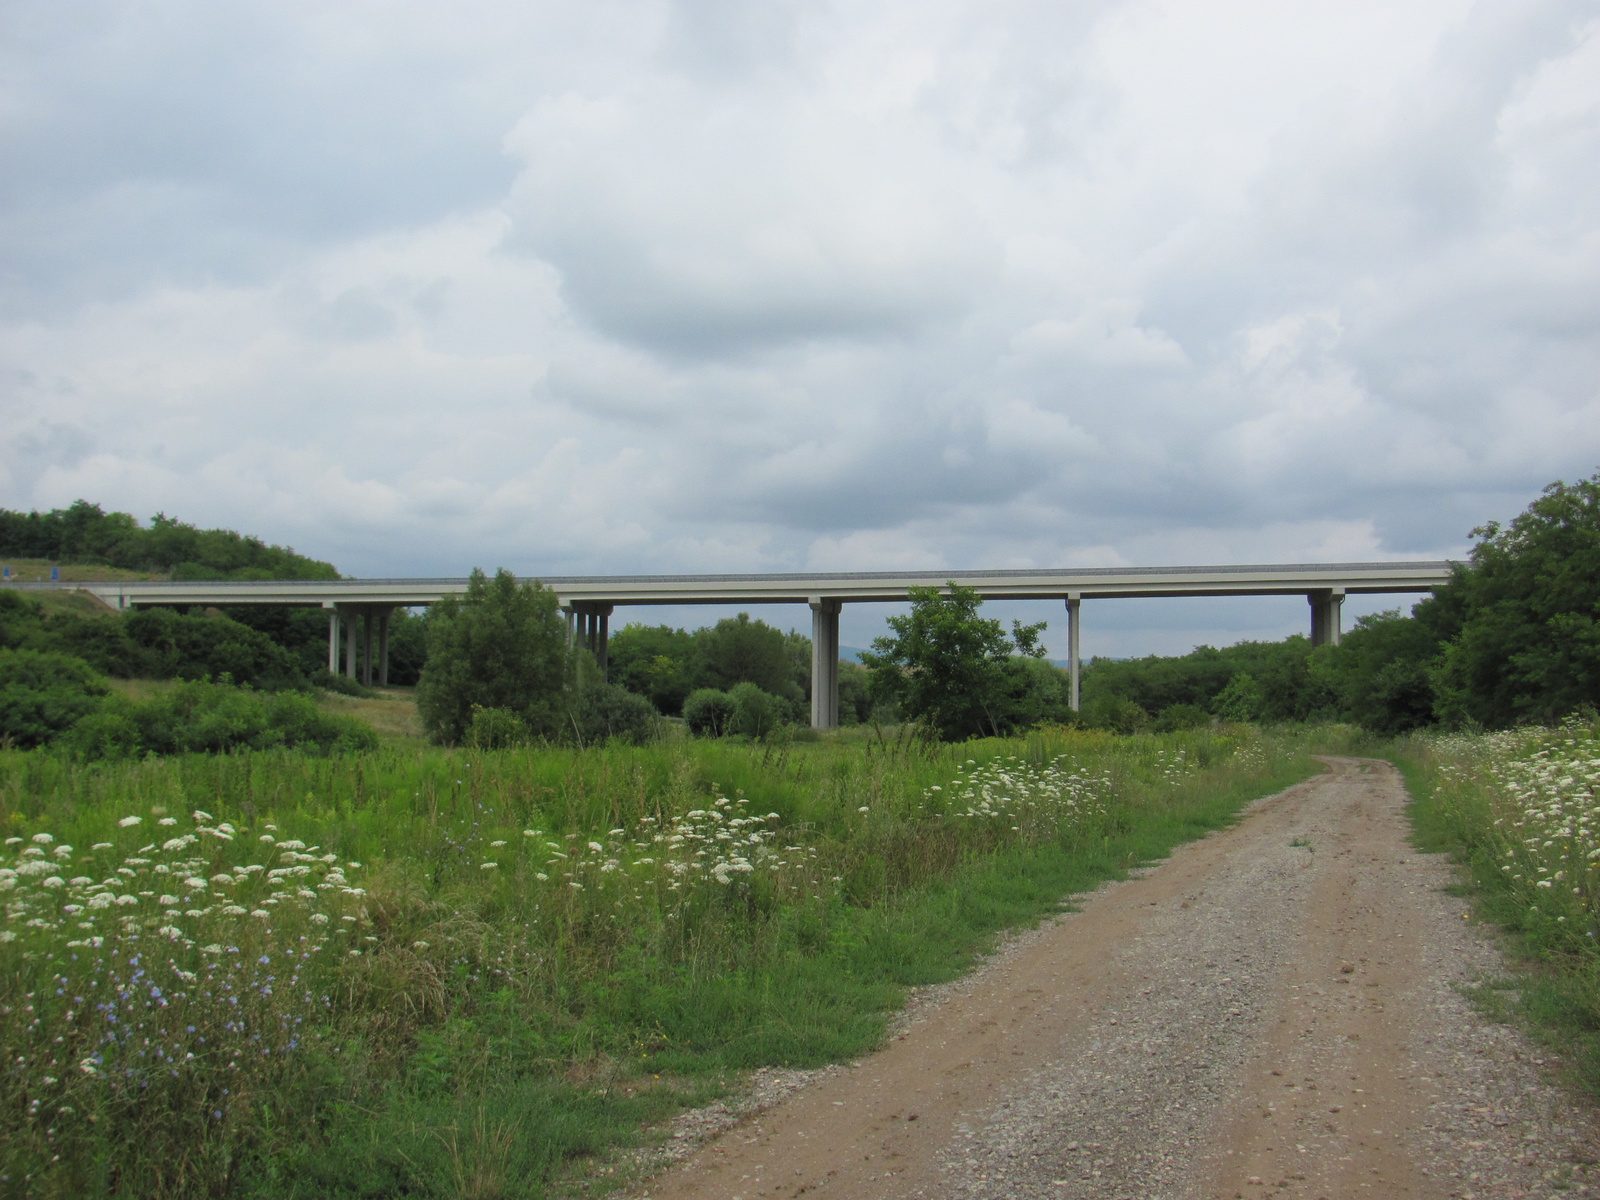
(710,286)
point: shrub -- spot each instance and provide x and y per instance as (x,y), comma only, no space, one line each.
(1180,716)
(197,646)
(44,694)
(708,712)
(197,717)
(604,712)
(754,713)
(496,729)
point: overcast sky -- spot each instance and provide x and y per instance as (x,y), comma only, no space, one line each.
(777,285)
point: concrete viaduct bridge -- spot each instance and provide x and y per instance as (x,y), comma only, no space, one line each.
(362,606)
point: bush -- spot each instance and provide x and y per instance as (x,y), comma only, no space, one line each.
(1180,716)
(197,717)
(198,646)
(708,712)
(605,712)
(754,713)
(43,694)
(496,729)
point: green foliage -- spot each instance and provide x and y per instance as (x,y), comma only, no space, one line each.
(604,712)
(755,713)
(955,672)
(175,645)
(708,712)
(496,729)
(738,650)
(501,645)
(1380,673)
(1527,607)
(213,718)
(1180,716)
(654,661)
(85,533)
(43,695)
(1241,700)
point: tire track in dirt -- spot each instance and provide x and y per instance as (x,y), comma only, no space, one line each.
(1272,1011)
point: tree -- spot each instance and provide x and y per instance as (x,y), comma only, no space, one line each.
(1380,672)
(501,645)
(1523,616)
(949,668)
(738,650)
(654,661)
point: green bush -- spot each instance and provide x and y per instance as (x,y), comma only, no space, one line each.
(708,712)
(604,711)
(496,729)
(1180,716)
(755,713)
(42,695)
(197,646)
(199,717)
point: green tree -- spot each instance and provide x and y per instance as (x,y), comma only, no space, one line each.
(1523,616)
(738,650)
(1380,673)
(44,695)
(501,645)
(654,661)
(950,668)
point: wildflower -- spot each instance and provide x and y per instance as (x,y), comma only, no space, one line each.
(488,866)
(260,914)
(863,808)
(167,821)
(201,816)
(596,847)
(168,900)
(101,846)
(43,839)
(55,881)
(541,877)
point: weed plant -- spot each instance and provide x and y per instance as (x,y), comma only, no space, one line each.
(1521,810)
(441,973)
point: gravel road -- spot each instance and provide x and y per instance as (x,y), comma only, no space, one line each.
(1273,1011)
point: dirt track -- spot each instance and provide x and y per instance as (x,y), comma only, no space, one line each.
(1273,1011)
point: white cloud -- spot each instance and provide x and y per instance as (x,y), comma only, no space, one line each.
(711,286)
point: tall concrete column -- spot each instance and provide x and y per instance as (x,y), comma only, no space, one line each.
(350,644)
(1074,671)
(824,663)
(333,639)
(602,638)
(570,630)
(366,648)
(1326,605)
(383,647)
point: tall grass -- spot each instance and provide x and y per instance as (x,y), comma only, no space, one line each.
(429,972)
(1520,810)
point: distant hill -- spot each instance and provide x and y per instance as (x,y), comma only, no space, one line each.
(85,535)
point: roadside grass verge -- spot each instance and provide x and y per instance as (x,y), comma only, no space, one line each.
(1518,812)
(424,972)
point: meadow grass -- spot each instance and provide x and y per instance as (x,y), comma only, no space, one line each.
(1520,811)
(426,972)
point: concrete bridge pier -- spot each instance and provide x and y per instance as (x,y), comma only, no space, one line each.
(593,633)
(1326,604)
(1074,673)
(358,624)
(824,662)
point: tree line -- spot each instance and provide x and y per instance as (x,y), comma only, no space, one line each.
(86,534)
(1513,638)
